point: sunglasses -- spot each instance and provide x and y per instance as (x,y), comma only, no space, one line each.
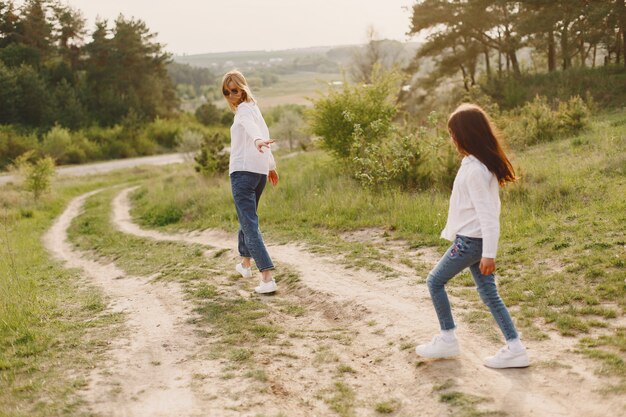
(226,92)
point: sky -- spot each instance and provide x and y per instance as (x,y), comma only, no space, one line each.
(203,26)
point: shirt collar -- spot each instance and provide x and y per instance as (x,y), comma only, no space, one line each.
(468,159)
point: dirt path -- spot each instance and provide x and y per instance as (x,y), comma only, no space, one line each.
(150,367)
(401,311)
(107,166)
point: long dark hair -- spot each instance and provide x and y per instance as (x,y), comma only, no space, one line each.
(474,134)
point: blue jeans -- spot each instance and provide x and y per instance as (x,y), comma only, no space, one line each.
(247,188)
(467,252)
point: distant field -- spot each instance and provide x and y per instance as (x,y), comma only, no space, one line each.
(295,88)
(292,89)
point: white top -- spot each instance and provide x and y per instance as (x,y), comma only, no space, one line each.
(248,126)
(475,206)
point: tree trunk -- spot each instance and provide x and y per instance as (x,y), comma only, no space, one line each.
(487,64)
(567,59)
(618,49)
(515,63)
(595,50)
(551,52)
(622,13)
(464,73)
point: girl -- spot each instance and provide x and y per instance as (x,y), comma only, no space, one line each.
(474,226)
(250,168)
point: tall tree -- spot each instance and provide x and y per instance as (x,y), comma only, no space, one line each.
(35,28)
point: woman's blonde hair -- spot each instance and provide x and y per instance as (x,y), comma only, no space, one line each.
(240,81)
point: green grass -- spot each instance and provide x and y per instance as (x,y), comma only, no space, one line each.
(387,407)
(462,404)
(340,398)
(53,326)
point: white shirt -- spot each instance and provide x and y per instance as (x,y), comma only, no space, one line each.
(248,126)
(475,206)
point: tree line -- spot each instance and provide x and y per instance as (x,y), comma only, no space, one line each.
(469,35)
(50,74)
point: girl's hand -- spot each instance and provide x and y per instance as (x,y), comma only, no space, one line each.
(262,143)
(273,177)
(487,266)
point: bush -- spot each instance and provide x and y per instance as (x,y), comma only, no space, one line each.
(212,158)
(189,142)
(12,145)
(37,176)
(208,114)
(162,215)
(163,132)
(537,122)
(369,108)
(573,115)
(408,160)
(66,147)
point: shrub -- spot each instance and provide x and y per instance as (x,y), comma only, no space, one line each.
(37,176)
(56,143)
(212,158)
(66,147)
(573,115)
(409,160)
(208,114)
(162,215)
(536,122)
(12,145)
(163,132)
(370,108)
(189,142)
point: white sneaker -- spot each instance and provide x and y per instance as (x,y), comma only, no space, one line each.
(266,287)
(439,348)
(245,272)
(505,358)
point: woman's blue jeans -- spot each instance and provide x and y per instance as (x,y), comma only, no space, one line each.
(466,252)
(247,188)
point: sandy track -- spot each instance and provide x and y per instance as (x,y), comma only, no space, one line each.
(401,310)
(149,369)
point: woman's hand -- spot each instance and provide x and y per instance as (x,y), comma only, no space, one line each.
(487,266)
(262,143)
(273,177)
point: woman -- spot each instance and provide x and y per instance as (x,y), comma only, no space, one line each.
(474,228)
(251,165)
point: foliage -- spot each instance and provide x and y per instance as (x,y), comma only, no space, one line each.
(409,160)
(538,121)
(189,142)
(208,114)
(37,176)
(14,144)
(605,86)
(462,33)
(289,125)
(212,158)
(368,108)
(49,75)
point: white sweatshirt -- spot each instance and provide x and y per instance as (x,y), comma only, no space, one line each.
(248,126)
(475,206)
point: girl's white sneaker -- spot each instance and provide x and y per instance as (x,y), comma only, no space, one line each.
(245,272)
(438,348)
(505,358)
(266,287)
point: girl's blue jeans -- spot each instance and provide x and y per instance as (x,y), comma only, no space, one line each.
(466,252)
(247,188)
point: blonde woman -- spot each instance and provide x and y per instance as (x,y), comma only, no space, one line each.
(251,165)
